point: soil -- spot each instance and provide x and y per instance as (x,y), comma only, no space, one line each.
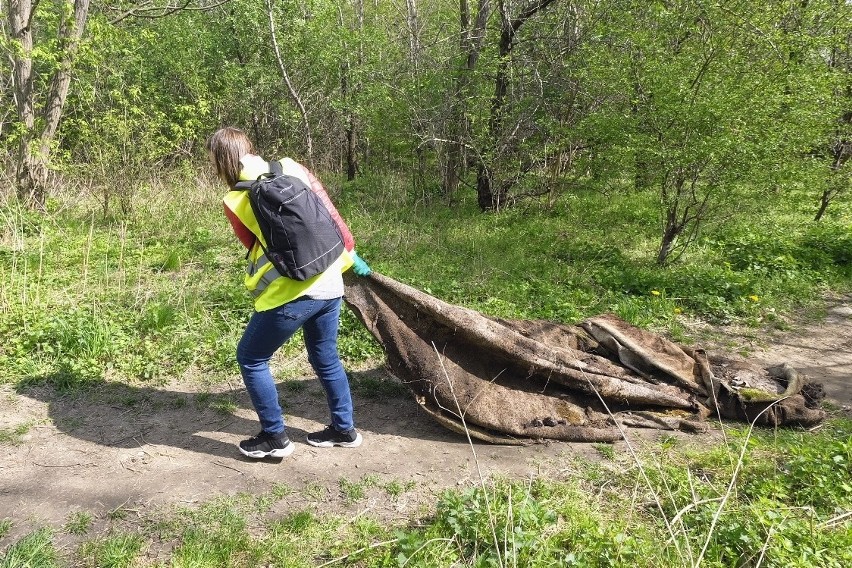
(143,449)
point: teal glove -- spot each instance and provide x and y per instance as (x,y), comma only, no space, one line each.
(360,267)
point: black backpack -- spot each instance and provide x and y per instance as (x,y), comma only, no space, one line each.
(302,240)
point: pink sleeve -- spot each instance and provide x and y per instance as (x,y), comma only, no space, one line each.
(316,186)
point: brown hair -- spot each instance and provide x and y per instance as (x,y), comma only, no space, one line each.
(226,146)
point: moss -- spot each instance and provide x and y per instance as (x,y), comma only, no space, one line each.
(757,395)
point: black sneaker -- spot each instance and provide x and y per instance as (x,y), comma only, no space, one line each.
(331,437)
(267,445)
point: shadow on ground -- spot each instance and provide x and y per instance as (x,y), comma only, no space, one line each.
(118,415)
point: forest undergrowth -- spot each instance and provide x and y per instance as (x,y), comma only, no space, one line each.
(154,297)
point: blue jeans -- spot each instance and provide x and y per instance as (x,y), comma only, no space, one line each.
(269,330)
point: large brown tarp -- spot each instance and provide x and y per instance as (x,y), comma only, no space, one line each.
(514,381)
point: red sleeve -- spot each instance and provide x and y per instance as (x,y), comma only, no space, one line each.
(316,186)
(246,237)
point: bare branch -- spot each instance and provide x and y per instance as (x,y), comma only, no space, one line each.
(529,12)
(147,9)
(294,94)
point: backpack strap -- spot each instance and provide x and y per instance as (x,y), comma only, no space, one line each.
(273,170)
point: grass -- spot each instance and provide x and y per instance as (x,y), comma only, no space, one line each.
(605,450)
(111,551)
(762,498)
(371,386)
(396,489)
(354,491)
(161,296)
(157,297)
(14,436)
(34,549)
(79,523)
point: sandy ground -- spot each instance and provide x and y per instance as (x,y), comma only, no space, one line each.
(141,448)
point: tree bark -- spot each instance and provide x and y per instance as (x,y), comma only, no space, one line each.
(420,126)
(348,91)
(488,197)
(350,129)
(841,149)
(841,152)
(241,59)
(471,38)
(34,149)
(30,175)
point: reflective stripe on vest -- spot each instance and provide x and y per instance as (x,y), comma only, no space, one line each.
(266,279)
(254,266)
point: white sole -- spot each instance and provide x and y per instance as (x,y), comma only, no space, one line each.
(353,444)
(278,453)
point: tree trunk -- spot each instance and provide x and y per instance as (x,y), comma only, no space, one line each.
(239,53)
(487,197)
(672,195)
(841,152)
(470,44)
(348,93)
(351,148)
(667,244)
(34,150)
(841,149)
(420,126)
(350,134)
(824,201)
(484,195)
(29,177)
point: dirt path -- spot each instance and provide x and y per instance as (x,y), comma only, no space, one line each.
(822,350)
(140,448)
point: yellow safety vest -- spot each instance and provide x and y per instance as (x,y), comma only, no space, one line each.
(270,288)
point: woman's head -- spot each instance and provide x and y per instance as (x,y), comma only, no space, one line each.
(226,146)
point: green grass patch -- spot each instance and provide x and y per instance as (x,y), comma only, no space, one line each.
(112,551)
(79,523)
(34,550)
(395,488)
(14,436)
(378,387)
(354,491)
(162,296)
(759,498)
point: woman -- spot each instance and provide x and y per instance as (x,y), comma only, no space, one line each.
(284,305)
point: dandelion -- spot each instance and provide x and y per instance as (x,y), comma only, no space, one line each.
(678,310)
(655,292)
(753,298)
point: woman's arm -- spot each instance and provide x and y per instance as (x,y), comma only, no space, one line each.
(246,237)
